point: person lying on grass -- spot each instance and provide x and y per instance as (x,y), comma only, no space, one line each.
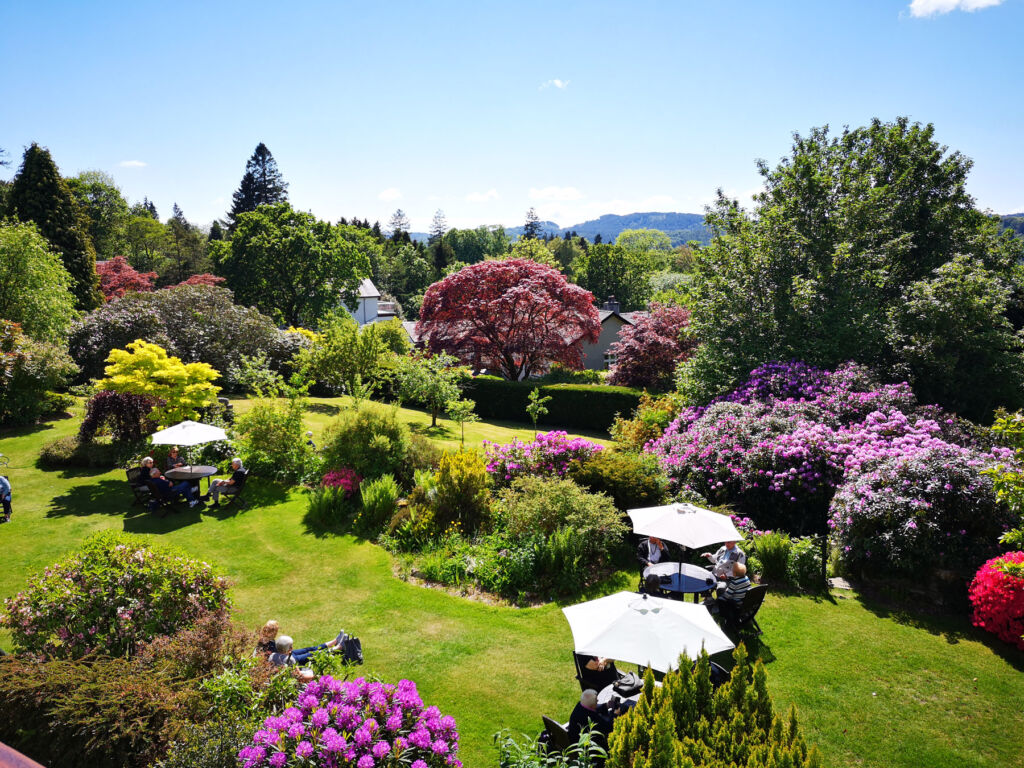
(285,654)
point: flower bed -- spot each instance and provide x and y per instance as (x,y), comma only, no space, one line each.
(549,454)
(356,724)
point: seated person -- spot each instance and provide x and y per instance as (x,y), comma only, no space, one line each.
(725,558)
(174,459)
(165,490)
(652,586)
(285,655)
(266,644)
(586,713)
(229,486)
(735,589)
(651,550)
(596,671)
(145,467)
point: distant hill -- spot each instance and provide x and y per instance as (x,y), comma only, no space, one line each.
(1014,221)
(680,227)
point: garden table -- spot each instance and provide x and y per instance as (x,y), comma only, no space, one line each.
(193,473)
(684,578)
(604,696)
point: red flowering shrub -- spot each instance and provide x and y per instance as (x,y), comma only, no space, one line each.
(345,478)
(997,594)
(117,277)
(647,352)
(204,278)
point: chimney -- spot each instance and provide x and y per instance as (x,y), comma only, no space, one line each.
(611,304)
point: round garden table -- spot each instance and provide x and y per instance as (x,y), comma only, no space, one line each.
(684,578)
(193,473)
(604,696)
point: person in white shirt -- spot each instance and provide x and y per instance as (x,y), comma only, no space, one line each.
(724,559)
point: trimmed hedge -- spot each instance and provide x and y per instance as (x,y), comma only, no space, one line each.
(579,406)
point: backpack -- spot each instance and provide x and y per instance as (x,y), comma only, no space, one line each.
(351,649)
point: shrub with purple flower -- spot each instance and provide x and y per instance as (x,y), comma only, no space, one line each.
(925,508)
(356,724)
(109,596)
(548,455)
(345,478)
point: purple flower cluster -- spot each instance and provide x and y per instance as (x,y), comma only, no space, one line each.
(356,724)
(781,444)
(549,455)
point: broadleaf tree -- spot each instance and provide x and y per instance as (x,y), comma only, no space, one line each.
(514,316)
(35,288)
(290,265)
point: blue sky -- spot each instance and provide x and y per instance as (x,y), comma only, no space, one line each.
(484,109)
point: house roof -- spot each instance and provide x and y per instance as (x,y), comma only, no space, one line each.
(629,318)
(410,328)
(367,290)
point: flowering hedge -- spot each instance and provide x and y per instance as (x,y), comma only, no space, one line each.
(549,455)
(997,594)
(357,724)
(931,508)
(780,445)
(109,596)
(345,477)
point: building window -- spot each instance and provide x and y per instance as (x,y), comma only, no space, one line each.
(610,360)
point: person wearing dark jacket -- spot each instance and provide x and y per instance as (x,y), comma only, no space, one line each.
(651,550)
(586,713)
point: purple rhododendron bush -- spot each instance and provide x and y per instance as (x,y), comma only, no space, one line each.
(548,455)
(109,596)
(910,482)
(356,724)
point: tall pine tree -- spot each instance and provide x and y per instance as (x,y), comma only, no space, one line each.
(531,230)
(262,184)
(40,195)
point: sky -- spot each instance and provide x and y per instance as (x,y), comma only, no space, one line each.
(485,109)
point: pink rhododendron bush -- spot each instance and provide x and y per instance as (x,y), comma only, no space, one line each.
(793,446)
(549,455)
(356,724)
(112,594)
(997,594)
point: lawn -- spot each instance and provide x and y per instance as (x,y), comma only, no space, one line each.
(871,688)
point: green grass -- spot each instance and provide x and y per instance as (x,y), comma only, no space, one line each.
(944,694)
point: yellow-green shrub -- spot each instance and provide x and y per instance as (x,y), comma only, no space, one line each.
(461,493)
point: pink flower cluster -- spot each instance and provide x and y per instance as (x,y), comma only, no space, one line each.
(345,478)
(997,594)
(549,454)
(356,724)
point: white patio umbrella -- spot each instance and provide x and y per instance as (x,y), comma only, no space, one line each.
(644,630)
(684,524)
(188,433)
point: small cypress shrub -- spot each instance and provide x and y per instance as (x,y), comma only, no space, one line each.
(461,493)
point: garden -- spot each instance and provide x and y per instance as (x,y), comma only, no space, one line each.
(444,515)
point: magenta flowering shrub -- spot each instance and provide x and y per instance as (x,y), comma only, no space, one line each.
(109,596)
(549,455)
(356,724)
(345,478)
(997,595)
(927,508)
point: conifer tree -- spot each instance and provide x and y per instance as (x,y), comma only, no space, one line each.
(40,195)
(531,230)
(150,208)
(262,184)
(437,227)
(398,222)
(216,231)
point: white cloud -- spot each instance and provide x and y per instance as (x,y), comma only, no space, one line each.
(391,193)
(922,8)
(563,84)
(482,197)
(555,193)
(132,164)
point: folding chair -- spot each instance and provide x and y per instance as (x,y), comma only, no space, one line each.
(558,735)
(158,501)
(743,616)
(139,485)
(594,678)
(238,487)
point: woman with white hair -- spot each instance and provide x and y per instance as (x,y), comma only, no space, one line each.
(287,655)
(229,486)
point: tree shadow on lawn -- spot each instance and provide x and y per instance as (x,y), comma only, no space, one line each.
(327,409)
(178,517)
(440,432)
(106,497)
(952,627)
(29,429)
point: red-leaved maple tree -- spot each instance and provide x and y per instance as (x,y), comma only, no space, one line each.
(118,277)
(203,278)
(647,351)
(514,316)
